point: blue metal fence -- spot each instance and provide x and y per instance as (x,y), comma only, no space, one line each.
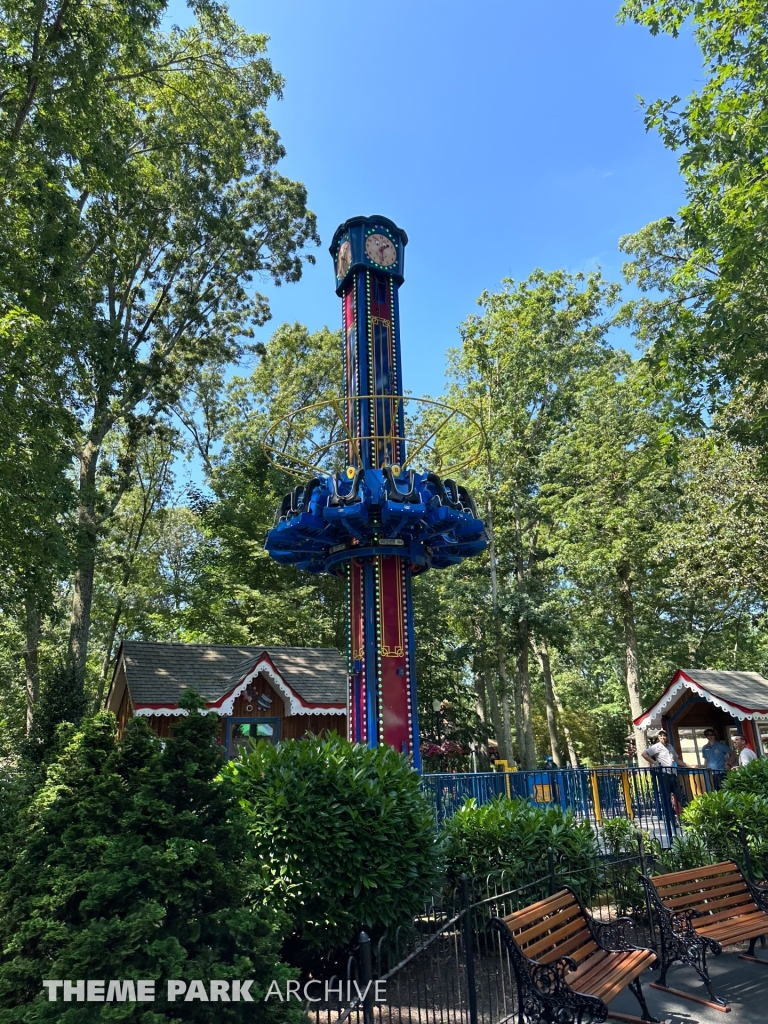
(649,796)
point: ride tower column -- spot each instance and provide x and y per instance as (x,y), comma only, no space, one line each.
(371,511)
(368,255)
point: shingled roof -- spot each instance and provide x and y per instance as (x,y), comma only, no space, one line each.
(158,673)
(744,695)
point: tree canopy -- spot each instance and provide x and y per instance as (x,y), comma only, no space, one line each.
(624,492)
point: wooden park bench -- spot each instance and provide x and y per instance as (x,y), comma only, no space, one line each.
(702,910)
(568,965)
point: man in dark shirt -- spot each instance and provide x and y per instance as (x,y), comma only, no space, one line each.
(715,754)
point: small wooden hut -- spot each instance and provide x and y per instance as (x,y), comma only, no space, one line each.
(269,693)
(731,703)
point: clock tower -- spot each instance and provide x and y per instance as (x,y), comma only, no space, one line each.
(380,520)
(369,256)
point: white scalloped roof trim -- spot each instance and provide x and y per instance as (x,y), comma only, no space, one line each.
(292,705)
(165,712)
(656,713)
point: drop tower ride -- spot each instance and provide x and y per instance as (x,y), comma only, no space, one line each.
(371,512)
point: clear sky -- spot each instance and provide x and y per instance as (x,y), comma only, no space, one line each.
(503,135)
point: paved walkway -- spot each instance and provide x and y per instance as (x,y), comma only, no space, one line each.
(743,985)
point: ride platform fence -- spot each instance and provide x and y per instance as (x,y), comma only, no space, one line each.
(651,797)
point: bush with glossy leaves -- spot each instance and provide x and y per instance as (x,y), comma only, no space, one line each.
(508,841)
(346,838)
(752,778)
(719,820)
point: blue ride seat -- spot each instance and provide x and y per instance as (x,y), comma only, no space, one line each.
(352,518)
(401,514)
(441,518)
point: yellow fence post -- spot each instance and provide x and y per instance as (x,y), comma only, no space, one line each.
(506,769)
(596,797)
(627,794)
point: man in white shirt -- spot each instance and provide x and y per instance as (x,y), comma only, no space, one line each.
(663,755)
(745,752)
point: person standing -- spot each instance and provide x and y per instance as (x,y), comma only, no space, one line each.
(744,751)
(716,755)
(661,754)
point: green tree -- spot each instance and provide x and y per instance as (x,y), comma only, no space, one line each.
(714,587)
(517,372)
(142,530)
(132,862)
(707,328)
(171,219)
(241,595)
(610,488)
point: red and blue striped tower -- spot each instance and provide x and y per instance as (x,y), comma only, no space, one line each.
(377,522)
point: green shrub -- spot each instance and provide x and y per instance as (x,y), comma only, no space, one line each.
(507,841)
(714,819)
(345,836)
(132,862)
(752,778)
(686,851)
(619,839)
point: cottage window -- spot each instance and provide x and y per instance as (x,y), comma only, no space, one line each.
(241,732)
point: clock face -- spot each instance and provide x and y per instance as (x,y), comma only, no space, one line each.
(380,249)
(343,259)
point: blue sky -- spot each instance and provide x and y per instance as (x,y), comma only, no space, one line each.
(502,136)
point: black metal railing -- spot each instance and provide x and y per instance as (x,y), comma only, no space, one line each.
(449,967)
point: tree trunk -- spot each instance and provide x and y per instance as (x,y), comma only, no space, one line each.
(572,755)
(502,737)
(107,661)
(82,600)
(31,659)
(542,654)
(501,660)
(632,656)
(528,753)
(483,758)
(523,678)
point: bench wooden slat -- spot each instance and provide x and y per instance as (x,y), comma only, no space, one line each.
(708,896)
(611,973)
(698,885)
(520,918)
(737,928)
(535,929)
(558,935)
(576,948)
(692,874)
(613,986)
(591,971)
(728,908)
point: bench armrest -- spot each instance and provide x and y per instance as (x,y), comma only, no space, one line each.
(677,925)
(682,922)
(549,978)
(543,989)
(759,894)
(613,936)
